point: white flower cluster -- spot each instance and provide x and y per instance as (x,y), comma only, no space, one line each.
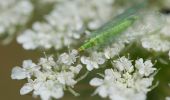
(93,62)
(125,81)
(113,50)
(14,13)
(66,23)
(158,41)
(48,78)
(96,59)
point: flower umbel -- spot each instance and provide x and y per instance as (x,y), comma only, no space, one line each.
(124,81)
(48,78)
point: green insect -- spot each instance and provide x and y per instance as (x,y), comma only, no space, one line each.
(113,28)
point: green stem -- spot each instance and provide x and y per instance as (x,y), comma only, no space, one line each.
(83,76)
(73,92)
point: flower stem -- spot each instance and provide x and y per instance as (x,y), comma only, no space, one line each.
(73,92)
(83,76)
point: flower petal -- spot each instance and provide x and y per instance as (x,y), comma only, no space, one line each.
(18,73)
(96,82)
(26,89)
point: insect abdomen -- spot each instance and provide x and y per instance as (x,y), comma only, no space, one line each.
(109,34)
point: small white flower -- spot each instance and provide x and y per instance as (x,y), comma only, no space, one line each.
(145,68)
(143,84)
(76,69)
(49,89)
(104,85)
(27,88)
(18,73)
(27,70)
(27,42)
(93,61)
(123,64)
(96,82)
(30,86)
(66,78)
(29,65)
(68,59)
(112,75)
(47,63)
(114,50)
